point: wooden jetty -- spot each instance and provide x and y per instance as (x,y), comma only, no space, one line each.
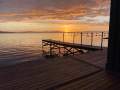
(69,48)
(72,48)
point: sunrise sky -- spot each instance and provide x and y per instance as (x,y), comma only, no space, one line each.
(54,15)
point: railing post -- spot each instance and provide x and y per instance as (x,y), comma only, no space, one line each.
(91,38)
(102,39)
(73,37)
(81,37)
(73,42)
(63,36)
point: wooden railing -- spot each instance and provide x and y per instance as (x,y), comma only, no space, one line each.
(92,35)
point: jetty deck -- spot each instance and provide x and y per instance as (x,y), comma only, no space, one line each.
(67,48)
(73,45)
(79,72)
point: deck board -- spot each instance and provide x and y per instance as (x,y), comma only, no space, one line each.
(73,45)
(44,74)
(97,58)
(98,81)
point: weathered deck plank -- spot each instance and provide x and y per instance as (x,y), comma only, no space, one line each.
(43,74)
(97,58)
(98,81)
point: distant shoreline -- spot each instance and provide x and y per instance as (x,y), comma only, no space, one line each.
(51,32)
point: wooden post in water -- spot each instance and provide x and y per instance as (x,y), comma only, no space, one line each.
(73,37)
(91,38)
(64,41)
(81,37)
(113,62)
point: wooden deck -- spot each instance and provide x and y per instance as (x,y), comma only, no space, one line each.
(33,72)
(98,81)
(97,58)
(44,74)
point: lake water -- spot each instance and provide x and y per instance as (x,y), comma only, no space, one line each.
(34,39)
(20,47)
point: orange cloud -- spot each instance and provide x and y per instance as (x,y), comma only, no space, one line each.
(17,10)
(54,14)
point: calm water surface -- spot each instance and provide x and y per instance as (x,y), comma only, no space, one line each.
(33,40)
(20,47)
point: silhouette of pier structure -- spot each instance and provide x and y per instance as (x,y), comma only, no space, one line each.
(72,48)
